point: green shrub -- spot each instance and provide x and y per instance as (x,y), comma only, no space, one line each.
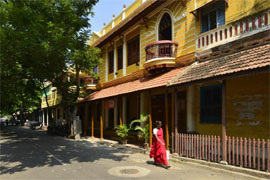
(122,131)
(143,131)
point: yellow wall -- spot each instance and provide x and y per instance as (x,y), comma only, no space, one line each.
(53,99)
(101,67)
(183,33)
(206,129)
(247,108)
(242,8)
(237,9)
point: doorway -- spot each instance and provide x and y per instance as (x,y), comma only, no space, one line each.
(182,112)
(165,28)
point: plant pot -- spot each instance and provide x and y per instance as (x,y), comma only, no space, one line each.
(145,145)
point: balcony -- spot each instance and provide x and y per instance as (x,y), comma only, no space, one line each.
(233,31)
(90,82)
(160,55)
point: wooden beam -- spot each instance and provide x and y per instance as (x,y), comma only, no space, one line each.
(101,119)
(176,111)
(92,120)
(121,37)
(167,120)
(173,110)
(86,117)
(120,110)
(224,152)
(150,120)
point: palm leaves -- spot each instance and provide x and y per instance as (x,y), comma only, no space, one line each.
(123,130)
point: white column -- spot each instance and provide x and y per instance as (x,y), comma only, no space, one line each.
(114,61)
(43,117)
(124,12)
(190,109)
(115,112)
(124,104)
(47,117)
(124,55)
(106,64)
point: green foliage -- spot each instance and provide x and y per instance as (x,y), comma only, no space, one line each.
(42,41)
(143,132)
(122,131)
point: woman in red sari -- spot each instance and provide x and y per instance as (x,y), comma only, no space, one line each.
(158,149)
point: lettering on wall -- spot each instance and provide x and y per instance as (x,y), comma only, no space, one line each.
(247,110)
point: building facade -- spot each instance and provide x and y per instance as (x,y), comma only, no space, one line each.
(54,113)
(151,46)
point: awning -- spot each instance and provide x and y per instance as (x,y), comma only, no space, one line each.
(144,83)
(249,59)
(195,11)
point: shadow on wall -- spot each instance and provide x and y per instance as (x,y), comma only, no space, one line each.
(23,148)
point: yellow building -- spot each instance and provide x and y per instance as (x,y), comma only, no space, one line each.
(53,114)
(199,66)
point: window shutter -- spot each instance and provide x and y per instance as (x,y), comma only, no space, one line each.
(204,23)
(120,57)
(111,61)
(220,15)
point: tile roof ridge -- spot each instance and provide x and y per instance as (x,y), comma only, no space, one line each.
(182,73)
(236,50)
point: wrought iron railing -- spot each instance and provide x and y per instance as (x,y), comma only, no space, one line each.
(161,49)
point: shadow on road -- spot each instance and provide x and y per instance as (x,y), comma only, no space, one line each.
(23,148)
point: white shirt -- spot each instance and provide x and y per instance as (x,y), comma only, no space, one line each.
(155,130)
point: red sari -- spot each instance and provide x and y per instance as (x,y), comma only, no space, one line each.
(158,151)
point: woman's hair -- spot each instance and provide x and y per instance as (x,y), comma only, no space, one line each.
(158,123)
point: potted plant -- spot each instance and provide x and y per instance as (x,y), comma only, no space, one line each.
(143,131)
(122,132)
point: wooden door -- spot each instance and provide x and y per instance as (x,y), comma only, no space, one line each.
(182,112)
(158,108)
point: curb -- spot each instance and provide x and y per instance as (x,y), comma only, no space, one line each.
(219,166)
(176,158)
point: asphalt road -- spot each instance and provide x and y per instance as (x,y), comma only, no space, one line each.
(28,154)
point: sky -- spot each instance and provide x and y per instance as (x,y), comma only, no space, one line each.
(104,10)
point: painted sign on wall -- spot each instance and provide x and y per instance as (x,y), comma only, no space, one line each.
(109,104)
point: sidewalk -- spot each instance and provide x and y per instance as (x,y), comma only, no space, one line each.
(175,158)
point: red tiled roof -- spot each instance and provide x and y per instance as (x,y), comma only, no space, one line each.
(136,85)
(248,59)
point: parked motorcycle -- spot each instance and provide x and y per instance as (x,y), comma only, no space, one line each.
(36,125)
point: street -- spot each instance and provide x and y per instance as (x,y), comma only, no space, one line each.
(29,154)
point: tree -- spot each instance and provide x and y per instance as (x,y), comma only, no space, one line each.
(45,40)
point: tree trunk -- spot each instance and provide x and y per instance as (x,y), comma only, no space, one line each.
(75,109)
(47,102)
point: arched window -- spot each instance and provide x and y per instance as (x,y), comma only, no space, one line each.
(165,28)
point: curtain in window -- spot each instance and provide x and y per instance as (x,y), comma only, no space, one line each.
(220,15)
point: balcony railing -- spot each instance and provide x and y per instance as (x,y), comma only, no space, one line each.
(90,82)
(233,31)
(161,49)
